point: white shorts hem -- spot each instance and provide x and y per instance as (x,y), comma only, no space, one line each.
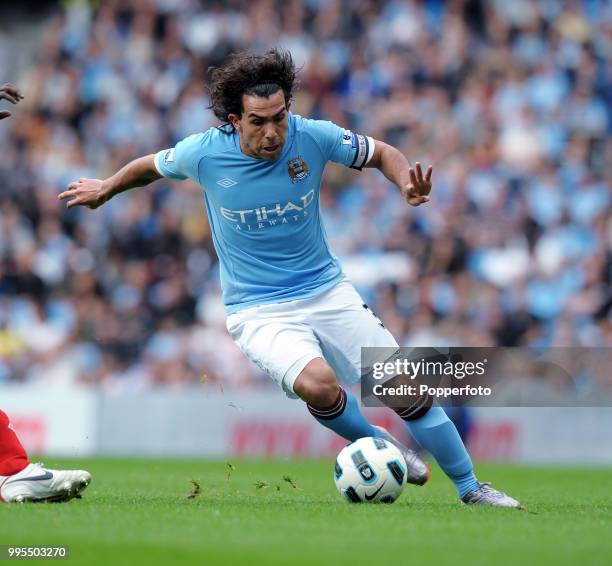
(293,373)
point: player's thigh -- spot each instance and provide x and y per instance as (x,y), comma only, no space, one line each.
(344,324)
(279,347)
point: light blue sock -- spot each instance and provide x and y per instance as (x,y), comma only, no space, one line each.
(345,418)
(437,434)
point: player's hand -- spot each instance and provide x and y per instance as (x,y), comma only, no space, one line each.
(417,191)
(85,192)
(11,93)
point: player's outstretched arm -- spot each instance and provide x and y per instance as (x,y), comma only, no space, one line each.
(413,186)
(11,93)
(93,193)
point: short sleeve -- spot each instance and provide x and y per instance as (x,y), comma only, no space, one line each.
(181,161)
(340,145)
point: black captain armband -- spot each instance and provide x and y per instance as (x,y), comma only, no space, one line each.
(365,149)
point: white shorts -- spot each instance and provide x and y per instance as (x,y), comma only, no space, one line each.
(281,338)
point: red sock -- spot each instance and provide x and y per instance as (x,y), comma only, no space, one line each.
(13,457)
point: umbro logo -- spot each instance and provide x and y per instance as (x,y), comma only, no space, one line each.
(227,183)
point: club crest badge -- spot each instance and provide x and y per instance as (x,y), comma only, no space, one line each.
(298,169)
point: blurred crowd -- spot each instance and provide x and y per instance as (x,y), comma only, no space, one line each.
(510,101)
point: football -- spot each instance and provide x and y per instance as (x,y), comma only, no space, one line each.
(370,470)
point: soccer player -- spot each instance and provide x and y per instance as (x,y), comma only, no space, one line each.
(22,481)
(19,479)
(290,308)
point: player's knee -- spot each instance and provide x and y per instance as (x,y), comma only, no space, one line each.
(317,384)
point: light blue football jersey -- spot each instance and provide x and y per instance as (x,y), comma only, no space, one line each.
(265,215)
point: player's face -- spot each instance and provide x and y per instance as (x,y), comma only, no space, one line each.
(263,125)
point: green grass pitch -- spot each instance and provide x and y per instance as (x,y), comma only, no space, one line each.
(137,511)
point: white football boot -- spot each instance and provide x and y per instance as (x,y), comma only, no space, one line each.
(486,495)
(35,483)
(418,471)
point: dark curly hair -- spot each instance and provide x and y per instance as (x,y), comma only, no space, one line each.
(246,73)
